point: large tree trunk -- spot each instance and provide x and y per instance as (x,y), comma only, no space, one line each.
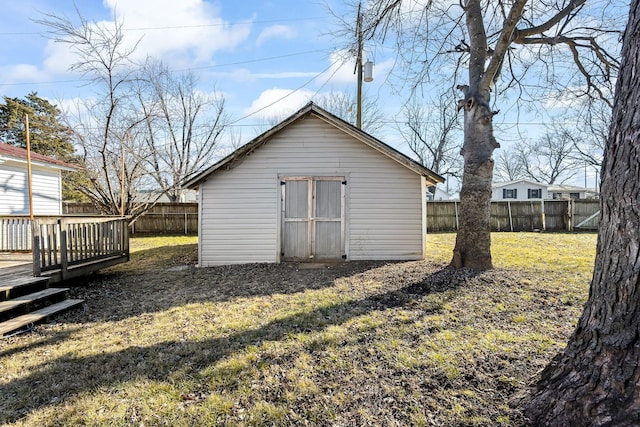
(596,380)
(473,240)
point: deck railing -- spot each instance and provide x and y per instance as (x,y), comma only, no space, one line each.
(70,243)
(15,234)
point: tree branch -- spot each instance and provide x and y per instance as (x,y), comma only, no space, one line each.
(506,36)
(539,29)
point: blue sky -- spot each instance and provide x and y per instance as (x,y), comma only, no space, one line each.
(252,52)
(256,53)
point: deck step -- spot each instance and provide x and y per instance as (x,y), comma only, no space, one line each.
(38,316)
(20,286)
(27,301)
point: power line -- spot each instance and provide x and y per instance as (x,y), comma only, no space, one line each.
(271,58)
(224,24)
(285,96)
(177,27)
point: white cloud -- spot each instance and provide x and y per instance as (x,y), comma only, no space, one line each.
(342,64)
(242,75)
(170,26)
(21,73)
(58,57)
(164,29)
(275,31)
(278,103)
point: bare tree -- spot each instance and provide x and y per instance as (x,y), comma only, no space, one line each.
(343,105)
(183,127)
(508,165)
(146,130)
(590,142)
(524,45)
(432,133)
(105,127)
(594,381)
(551,159)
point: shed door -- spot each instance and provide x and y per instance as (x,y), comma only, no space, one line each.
(313,218)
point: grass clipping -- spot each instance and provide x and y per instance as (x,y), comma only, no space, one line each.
(360,343)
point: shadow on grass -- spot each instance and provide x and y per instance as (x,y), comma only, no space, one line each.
(69,376)
(43,342)
(130,290)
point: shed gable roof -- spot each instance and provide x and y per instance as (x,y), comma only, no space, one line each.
(237,156)
(11,152)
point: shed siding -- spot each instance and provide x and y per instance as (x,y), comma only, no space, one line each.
(240,220)
(15,195)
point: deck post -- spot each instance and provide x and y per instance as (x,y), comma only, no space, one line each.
(64,260)
(125,237)
(35,250)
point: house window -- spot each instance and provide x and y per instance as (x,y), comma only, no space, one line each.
(574,195)
(509,193)
(534,193)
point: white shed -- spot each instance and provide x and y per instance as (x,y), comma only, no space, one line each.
(46,182)
(313,187)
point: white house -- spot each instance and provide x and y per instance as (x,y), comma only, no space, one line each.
(313,187)
(519,190)
(436,193)
(46,175)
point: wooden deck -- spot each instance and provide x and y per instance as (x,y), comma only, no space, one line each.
(26,300)
(63,248)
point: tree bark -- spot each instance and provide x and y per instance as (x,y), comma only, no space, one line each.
(473,240)
(596,380)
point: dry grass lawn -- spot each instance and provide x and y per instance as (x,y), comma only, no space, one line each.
(161,342)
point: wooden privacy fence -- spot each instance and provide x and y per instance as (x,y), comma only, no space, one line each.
(550,215)
(75,246)
(162,218)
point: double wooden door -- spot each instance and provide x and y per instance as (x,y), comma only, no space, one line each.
(312,218)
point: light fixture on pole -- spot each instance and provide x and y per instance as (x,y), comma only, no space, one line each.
(368,71)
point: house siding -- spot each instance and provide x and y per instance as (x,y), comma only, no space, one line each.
(14,190)
(522,193)
(384,200)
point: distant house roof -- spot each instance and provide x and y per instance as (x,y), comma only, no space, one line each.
(570,189)
(519,181)
(237,156)
(11,152)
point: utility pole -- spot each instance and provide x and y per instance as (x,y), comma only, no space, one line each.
(359,67)
(367,73)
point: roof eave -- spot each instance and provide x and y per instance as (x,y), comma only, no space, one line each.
(22,160)
(310,108)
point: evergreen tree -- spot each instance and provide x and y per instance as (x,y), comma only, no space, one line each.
(48,136)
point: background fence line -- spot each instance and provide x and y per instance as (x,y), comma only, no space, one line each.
(543,215)
(182,218)
(162,218)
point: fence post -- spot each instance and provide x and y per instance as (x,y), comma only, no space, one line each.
(544,219)
(455,205)
(510,217)
(569,215)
